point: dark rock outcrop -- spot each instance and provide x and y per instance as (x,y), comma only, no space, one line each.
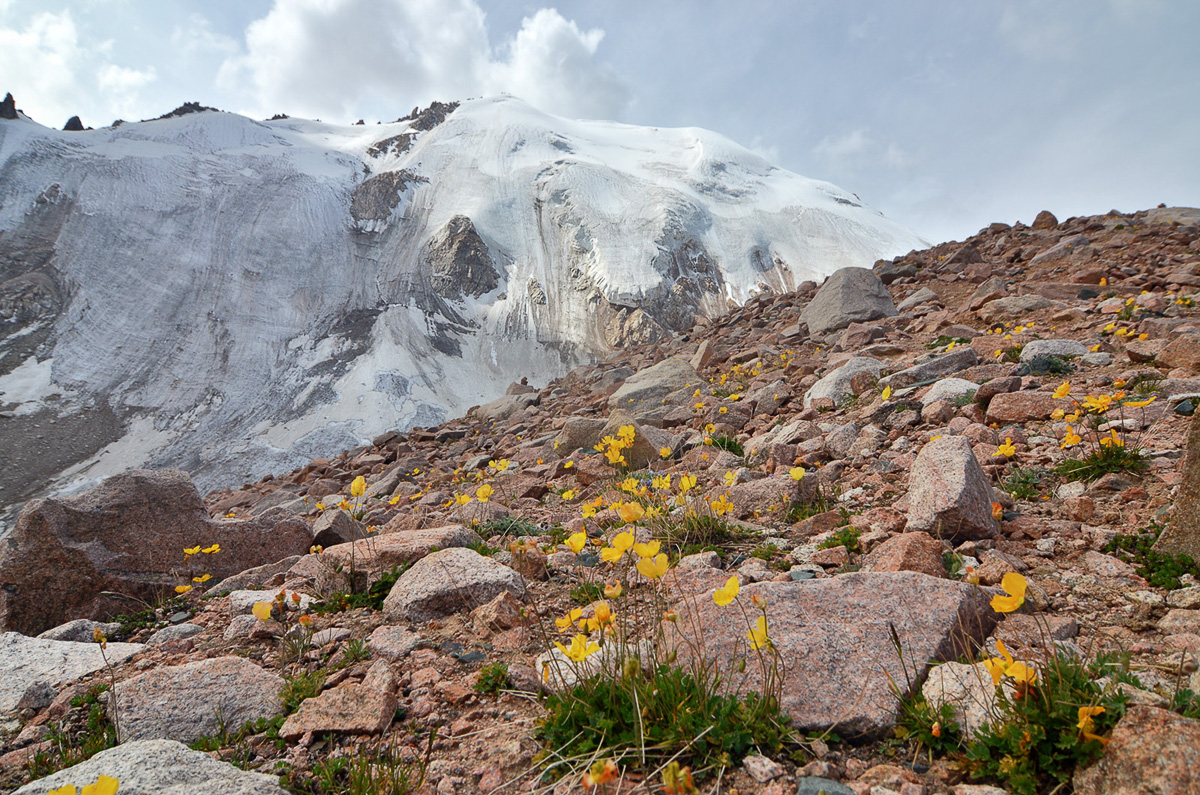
(8,108)
(459,262)
(74,124)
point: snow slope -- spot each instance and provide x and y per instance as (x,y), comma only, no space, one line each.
(236,297)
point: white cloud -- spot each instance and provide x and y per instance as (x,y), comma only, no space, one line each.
(346,58)
(197,37)
(840,147)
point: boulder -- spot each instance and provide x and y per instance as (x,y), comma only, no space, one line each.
(908,552)
(922,296)
(503,408)
(649,387)
(836,386)
(198,699)
(125,536)
(1013,408)
(952,362)
(1182,352)
(848,295)
(949,389)
(1044,220)
(1182,534)
(33,665)
(834,637)
(378,553)
(949,495)
(82,630)
(968,689)
(578,433)
(448,582)
(159,767)
(1064,349)
(1152,752)
(347,709)
(1013,306)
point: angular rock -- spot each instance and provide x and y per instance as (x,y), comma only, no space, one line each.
(1013,306)
(82,630)
(646,439)
(35,663)
(949,389)
(448,582)
(505,407)
(958,359)
(848,295)
(347,709)
(159,767)
(836,385)
(194,700)
(834,637)
(392,643)
(1012,408)
(922,296)
(916,551)
(647,388)
(126,536)
(1152,752)
(380,552)
(1182,352)
(1044,220)
(996,386)
(578,433)
(1060,348)
(968,688)
(949,495)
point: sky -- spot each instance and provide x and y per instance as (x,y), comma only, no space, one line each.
(944,115)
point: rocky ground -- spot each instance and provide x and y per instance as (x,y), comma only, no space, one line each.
(897,437)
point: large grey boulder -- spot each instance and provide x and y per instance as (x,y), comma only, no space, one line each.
(837,385)
(159,767)
(1060,348)
(448,582)
(198,699)
(648,387)
(30,667)
(834,637)
(126,536)
(949,495)
(849,295)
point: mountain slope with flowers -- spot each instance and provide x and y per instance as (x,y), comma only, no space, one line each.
(900,531)
(233,297)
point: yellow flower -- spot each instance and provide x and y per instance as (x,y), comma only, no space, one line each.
(998,666)
(628,433)
(698,406)
(104,785)
(603,612)
(630,512)
(1063,390)
(577,542)
(730,477)
(758,634)
(499,466)
(796,473)
(1057,414)
(1070,439)
(1085,718)
(231,515)
(629,485)
(358,487)
(182,588)
(568,464)
(1137,404)
(215,548)
(601,772)
(727,592)
(1113,440)
(1103,281)
(1021,673)
(1014,585)
(202,579)
(646,550)
(569,494)
(613,590)
(620,545)
(580,648)
(316,549)
(192,550)
(564,624)
(484,492)
(1095,348)
(653,568)
(262,611)
(722,505)
(1098,404)
(687,483)
(100,637)
(661,482)
(664,452)
(394,500)
(462,499)
(1006,449)
(1143,337)
(344,505)
(886,394)
(722,410)
(1121,332)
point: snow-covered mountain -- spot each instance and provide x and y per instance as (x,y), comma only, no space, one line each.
(235,297)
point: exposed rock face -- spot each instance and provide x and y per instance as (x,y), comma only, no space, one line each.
(73,125)
(126,536)
(1182,534)
(838,385)
(939,366)
(949,495)
(152,767)
(849,295)
(654,383)
(835,639)
(1152,752)
(459,263)
(187,702)
(8,108)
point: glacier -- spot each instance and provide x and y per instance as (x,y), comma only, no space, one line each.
(236,297)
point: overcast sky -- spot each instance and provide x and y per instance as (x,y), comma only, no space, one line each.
(945,115)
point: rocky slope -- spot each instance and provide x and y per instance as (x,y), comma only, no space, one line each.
(234,297)
(929,412)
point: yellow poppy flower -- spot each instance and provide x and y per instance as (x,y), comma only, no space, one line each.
(1014,585)
(215,548)
(1063,390)
(1006,449)
(687,483)
(613,590)
(758,634)
(727,592)
(262,611)
(565,623)
(653,568)
(620,545)
(796,473)
(1085,717)
(648,550)
(484,492)
(580,648)
(192,550)
(182,588)
(603,612)
(462,499)
(577,542)
(569,494)
(358,487)
(1070,439)
(630,512)
(202,579)
(664,452)
(886,394)
(722,505)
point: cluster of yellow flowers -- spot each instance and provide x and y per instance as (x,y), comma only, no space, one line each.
(201,578)
(1096,405)
(105,785)
(614,448)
